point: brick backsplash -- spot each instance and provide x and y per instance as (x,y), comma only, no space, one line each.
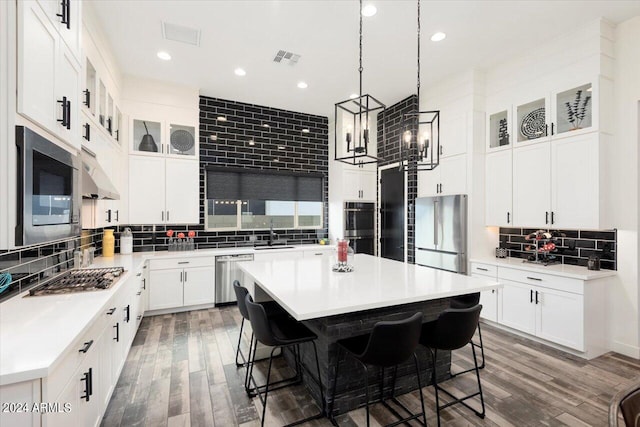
(389,152)
(29,265)
(573,247)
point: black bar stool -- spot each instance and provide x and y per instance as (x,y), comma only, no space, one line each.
(466,301)
(241,293)
(280,332)
(389,344)
(453,329)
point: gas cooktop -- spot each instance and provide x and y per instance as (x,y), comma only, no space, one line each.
(91,279)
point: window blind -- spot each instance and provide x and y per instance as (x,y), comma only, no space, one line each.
(246,184)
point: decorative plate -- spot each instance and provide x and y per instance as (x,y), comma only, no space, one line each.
(533,124)
(182,140)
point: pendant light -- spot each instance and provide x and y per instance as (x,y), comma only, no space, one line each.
(420,140)
(356,124)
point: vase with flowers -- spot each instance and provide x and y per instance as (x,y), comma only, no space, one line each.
(577,110)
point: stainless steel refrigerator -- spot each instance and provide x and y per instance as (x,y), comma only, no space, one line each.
(441,232)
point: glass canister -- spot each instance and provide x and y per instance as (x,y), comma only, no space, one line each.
(342,251)
(126,242)
(108,242)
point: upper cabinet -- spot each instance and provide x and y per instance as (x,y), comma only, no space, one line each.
(66,18)
(48,73)
(163,138)
(499,130)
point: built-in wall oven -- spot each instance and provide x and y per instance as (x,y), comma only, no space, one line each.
(359,226)
(48,190)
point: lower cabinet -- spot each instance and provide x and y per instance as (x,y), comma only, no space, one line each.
(175,283)
(488,299)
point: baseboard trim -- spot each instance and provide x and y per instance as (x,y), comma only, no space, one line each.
(626,349)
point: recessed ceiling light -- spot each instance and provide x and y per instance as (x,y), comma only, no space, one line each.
(354,96)
(252,142)
(439,36)
(305,130)
(164,55)
(369,10)
(240,72)
(221,118)
(302,85)
(280,147)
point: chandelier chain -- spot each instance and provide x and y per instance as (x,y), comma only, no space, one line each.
(360,47)
(418,88)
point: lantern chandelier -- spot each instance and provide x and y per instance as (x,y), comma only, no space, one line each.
(356,125)
(420,140)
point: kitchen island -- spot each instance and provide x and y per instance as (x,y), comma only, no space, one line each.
(342,305)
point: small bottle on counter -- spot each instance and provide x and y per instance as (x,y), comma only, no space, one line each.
(77,259)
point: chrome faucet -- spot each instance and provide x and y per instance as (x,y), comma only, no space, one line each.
(272,234)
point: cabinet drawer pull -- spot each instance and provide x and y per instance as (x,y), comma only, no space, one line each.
(183,262)
(87,132)
(318,253)
(546,217)
(139,317)
(552,217)
(87,98)
(144,283)
(86,347)
(534,278)
(110,312)
(139,274)
(531,295)
(65,15)
(508,218)
(85,379)
(482,269)
(128,311)
(493,291)
(139,293)
(537,297)
(117,327)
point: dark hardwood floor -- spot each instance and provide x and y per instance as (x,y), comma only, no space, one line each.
(180,372)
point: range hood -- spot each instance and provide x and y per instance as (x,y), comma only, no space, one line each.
(95,182)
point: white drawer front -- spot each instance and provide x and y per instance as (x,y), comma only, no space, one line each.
(566,284)
(484,269)
(188,262)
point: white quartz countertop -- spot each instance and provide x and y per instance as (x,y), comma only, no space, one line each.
(571,271)
(35,332)
(307,288)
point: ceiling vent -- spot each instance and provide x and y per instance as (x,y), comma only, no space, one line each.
(286,57)
(178,33)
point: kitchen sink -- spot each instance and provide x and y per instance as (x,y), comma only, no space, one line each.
(262,248)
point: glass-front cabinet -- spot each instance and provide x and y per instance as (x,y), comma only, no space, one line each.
(118,124)
(89,91)
(573,109)
(109,121)
(499,130)
(531,120)
(164,138)
(102,104)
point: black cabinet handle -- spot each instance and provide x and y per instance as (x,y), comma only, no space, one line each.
(139,317)
(139,293)
(162,215)
(531,295)
(537,297)
(117,134)
(534,278)
(546,217)
(65,15)
(85,378)
(183,262)
(111,311)
(546,130)
(144,283)
(127,310)
(86,347)
(181,273)
(117,328)
(508,218)
(185,276)
(117,215)
(65,113)
(109,126)
(482,269)
(87,98)
(87,131)
(108,212)
(552,128)
(552,217)
(441,150)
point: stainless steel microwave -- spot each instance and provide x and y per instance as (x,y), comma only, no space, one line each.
(49,198)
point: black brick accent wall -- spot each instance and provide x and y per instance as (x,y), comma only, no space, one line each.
(574,247)
(389,151)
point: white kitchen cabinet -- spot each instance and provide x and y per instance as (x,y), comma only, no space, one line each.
(66,17)
(450,177)
(163,190)
(359,185)
(575,177)
(531,185)
(22,393)
(559,317)
(48,75)
(499,185)
(70,394)
(453,137)
(517,306)
(175,283)
(488,299)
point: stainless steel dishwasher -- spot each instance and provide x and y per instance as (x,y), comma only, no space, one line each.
(226,272)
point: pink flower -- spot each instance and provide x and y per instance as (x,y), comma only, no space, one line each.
(169,233)
(192,233)
(180,235)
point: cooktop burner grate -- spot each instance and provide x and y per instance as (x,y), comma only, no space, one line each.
(92,279)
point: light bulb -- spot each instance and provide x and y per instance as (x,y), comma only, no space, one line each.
(406,136)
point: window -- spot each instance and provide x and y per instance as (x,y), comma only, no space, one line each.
(255,200)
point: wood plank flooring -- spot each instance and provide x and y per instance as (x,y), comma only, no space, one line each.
(180,372)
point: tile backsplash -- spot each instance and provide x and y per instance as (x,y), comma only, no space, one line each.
(30,265)
(574,247)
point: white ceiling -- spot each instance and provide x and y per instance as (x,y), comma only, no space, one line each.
(248,34)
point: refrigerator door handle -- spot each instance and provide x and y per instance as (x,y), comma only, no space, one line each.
(435,222)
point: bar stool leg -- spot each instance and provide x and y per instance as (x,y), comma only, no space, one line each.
(238,352)
(434,355)
(481,346)
(415,360)
(266,390)
(315,351)
(475,361)
(366,389)
(249,371)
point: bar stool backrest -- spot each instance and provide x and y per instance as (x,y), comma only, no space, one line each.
(628,403)
(456,327)
(260,323)
(465,301)
(392,342)
(241,294)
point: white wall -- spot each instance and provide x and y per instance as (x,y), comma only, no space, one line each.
(623,162)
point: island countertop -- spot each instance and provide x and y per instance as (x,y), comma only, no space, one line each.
(309,289)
